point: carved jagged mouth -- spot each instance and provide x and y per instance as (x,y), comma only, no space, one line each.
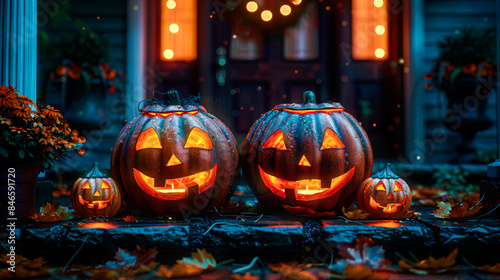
(176,188)
(390,208)
(100,204)
(308,189)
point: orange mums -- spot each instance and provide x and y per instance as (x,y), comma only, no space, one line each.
(34,131)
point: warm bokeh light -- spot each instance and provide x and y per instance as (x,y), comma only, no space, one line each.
(285,10)
(168,54)
(176,43)
(378,3)
(171,4)
(266,15)
(370,39)
(174,28)
(252,6)
(380,29)
(379,53)
(296,2)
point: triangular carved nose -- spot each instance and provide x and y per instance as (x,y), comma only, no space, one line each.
(97,193)
(303,161)
(173,161)
(390,196)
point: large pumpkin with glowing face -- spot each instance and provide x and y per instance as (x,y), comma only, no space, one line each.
(385,195)
(96,194)
(310,155)
(175,158)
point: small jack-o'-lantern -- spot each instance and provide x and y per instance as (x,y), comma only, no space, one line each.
(96,194)
(175,157)
(310,155)
(385,195)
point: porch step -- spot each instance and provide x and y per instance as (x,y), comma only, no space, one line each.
(272,238)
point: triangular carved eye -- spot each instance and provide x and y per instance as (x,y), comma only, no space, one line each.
(198,139)
(397,187)
(105,185)
(86,186)
(275,141)
(381,187)
(331,140)
(148,139)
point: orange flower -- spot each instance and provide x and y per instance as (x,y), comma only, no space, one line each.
(450,68)
(24,100)
(36,130)
(51,112)
(487,68)
(6,121)
(61,70)
(65,128)
(81,151)
(17,129)
(469,68)
(21,112)
(7,97)
(75,72)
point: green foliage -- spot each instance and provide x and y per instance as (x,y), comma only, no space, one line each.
(469,46)
(453,181)
(365,108)
(486,156)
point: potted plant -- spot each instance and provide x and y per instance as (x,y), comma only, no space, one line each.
(32,136)
(466,74)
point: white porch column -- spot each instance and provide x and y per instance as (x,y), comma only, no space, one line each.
(134,71)
(18,23)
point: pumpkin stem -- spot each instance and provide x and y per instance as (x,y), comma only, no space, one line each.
(309,97)
(174,97)
(95,172)
(386,173)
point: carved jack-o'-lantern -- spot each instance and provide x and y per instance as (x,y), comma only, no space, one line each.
(310,155)
(174,155)
(96,194)
(385,195)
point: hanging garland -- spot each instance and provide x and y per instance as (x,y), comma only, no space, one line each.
(269,15)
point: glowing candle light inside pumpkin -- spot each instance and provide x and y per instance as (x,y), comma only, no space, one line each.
(174,190)
(316,189)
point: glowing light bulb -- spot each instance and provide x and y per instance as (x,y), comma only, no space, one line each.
(380,29)
(266,15)
(168,53)
(378,3)
(252,6)
(174,28)
(379,53)
(285,10)
(297,2)
(171,4)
